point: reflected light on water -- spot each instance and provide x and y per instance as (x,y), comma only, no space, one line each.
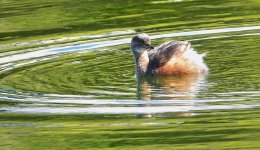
(93,45)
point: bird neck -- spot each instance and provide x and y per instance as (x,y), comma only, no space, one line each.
(141,62)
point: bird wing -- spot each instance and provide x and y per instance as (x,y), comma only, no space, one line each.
(162,54)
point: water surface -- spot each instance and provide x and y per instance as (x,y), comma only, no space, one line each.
(70,83)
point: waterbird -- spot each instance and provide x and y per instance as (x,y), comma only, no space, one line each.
(169,58)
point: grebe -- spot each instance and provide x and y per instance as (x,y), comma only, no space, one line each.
(169,58)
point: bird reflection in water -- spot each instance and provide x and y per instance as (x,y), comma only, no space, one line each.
(180,87)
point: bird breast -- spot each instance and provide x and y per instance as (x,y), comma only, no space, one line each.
(143,62)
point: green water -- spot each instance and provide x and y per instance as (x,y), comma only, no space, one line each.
(67,78)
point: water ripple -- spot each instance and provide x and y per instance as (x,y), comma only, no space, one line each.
(100,81)
(53,51)
(125,110)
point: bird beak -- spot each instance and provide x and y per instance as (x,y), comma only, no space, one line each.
(149,46)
